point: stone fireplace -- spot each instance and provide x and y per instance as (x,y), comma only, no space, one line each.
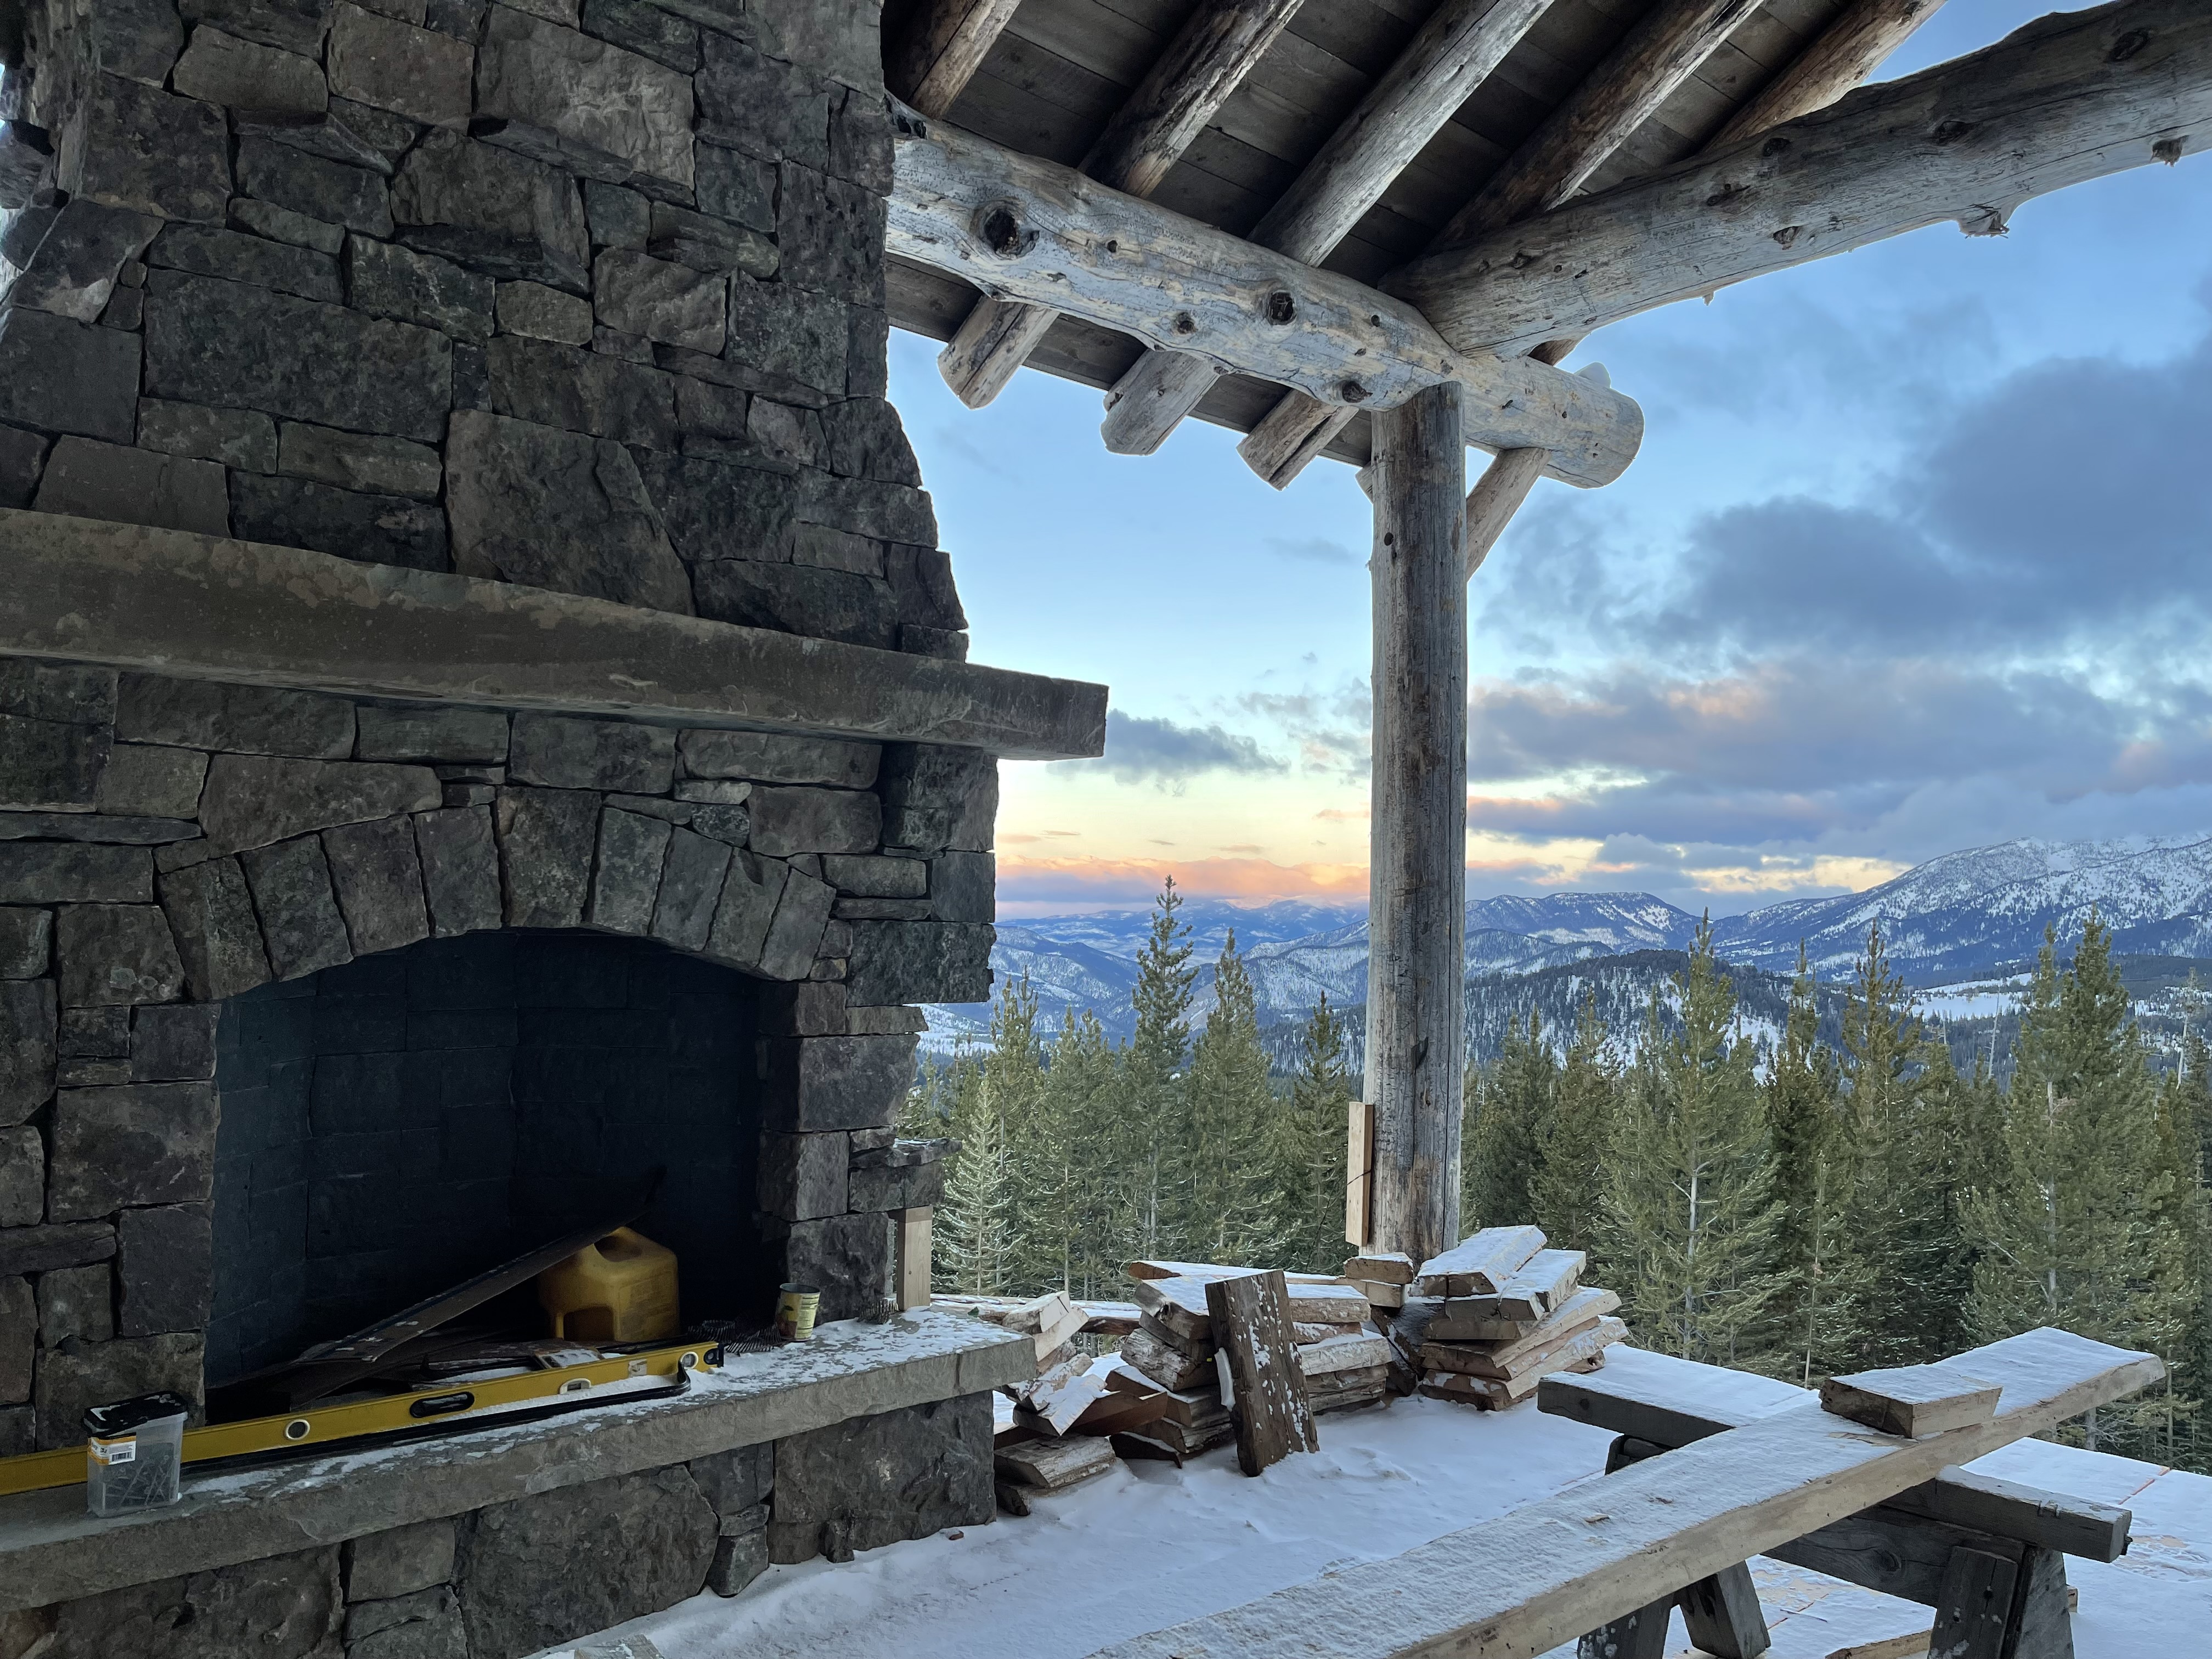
(484,716)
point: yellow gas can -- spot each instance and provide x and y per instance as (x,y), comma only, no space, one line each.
(621,1289)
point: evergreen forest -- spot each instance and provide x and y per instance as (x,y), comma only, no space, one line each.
(1804,1208)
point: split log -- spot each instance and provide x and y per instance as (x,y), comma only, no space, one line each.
(1150,1268)
(1853,46)
(1060,1400)
(1341,1353)
(2068,98)
(1544,1573)
(945,44)
(1481,1262)
(1584,1305)
(1909,1400)
(1164,1366)
(1192,1408)
(1190,1346)
(1529,1360)
(1536,1290)
(1270,1409)
(1030,229)
(1223,41)
(1389,1266)
(1387,1297)
(1053,1465)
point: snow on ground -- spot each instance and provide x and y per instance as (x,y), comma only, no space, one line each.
(1149,1545)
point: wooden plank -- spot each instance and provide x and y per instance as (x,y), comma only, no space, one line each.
(2042,1623)
(1053,1465)
(1417,882)
(1164,1366)
(2068,98)
(1639,1635)
(1191,1407)
(2046,1520)
(1911,1399)
(944,44)
(1723,1617)
(914,1254)
(1387,1296)
(1535,1292)
(1530,1360)
(1341,1353)
(1359,1174)
(1030,229)
(1518,1585)
(1387,1267)
(1155,1267)
(1480,1263)
(1179,1306)
(1974,1606)
(1855,45)
(1274,1419)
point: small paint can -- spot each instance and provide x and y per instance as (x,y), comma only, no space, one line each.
(795,1309)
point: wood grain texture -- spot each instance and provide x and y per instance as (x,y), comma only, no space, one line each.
(995,339)
(1909,1400)
(1028,229)
(944,44)
(1974,1606)
(1272,1416)
(914,1254)
(1724,1616)
(1481,1262)
(1416,1049)
(1148,402)
(2070,97)
(1497,496)
(1843,55)
(1518,1585)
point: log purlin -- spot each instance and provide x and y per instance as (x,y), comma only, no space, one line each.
(1023,229)
(2066,98)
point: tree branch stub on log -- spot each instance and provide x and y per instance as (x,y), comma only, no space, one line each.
(2068,98)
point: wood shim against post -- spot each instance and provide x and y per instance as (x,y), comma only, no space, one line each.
(2070,97)
(1911,1399)
(1252,1329)
(1521,1584)
(1359,1174)
(1021,227)
(914,1250)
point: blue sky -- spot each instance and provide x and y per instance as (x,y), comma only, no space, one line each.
(1917,556)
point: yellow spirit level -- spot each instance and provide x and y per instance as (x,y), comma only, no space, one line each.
(452,1404)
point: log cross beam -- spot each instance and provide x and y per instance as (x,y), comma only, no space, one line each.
(2070,97)
(1021,227)
(1222,42)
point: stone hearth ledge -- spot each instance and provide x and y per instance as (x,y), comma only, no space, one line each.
(51,1551)
(207,607)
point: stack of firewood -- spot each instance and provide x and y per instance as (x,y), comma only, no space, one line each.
(1496,1313)
(1344,1362)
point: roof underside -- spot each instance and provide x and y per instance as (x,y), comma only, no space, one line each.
(1063,67)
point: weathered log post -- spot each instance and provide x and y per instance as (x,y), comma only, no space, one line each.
(1417,882)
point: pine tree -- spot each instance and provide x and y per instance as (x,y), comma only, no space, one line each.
(1821,1284)
(1566,1196)
(1229,1210)
(1514,1104)
(1076,1203)
(1308,1153)
(971,1245)
(1155,1086)
(1689,1218)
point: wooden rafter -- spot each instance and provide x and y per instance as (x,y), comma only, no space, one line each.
(1028,229)
(1853,46)
(2068,98)
(1220,45)
(1451,55)
(945,44)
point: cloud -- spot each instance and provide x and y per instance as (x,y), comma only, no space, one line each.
(1140,750)
(1312,549)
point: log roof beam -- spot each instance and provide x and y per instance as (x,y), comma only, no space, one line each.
(944,44)
(1856,42)
(2068,98)
(1020,227)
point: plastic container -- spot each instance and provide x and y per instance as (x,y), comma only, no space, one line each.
(621,1289)
(134,1453)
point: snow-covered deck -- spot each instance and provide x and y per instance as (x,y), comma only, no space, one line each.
(1149,1545)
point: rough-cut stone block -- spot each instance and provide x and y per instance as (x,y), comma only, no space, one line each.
(164,1260)
(400,1562)
(900,1474)
(22,458)
(732,184)
(599,98)
(18,1335)
(716,510)
(101,1033)
(87,479)
(690,887)
(460,869)
(49,766)
(246,719)
(26,942)
(791,332)
(389,65)
(747,908)
(866,440)
(889,512)
(172,1043)
(831,234)
(251,801)
(661,300)
(906,1187)
(544,313)
(144,780)
(795,436)
(540,1569)
(794,937)
(214,342)
(850,1256)
(379,879)
(563,752)
(281,1608)
(818,1084)
(808,1008)
(300,919)
(937,797)
(42,873)
(492,210)
(556,509)
(894,962)
(233,256)
(738,1559)
(964,887)
(139,39)
(626,878)
(839,42)
(546,838)
(141,1143)
(644,28)
(860,140)
(766,757)
(921,577)
(78,1375)
(772,107)
(115,955)
(583,391)
(426,1625)
(63,376)
(295,25)
(736,1482)
(221,68)
(212,917)
(618,217)
(22,1176)
(290,512)
(387,280)
(129,146)
(334,191)
(72,273)
(74,1302)
(830,605)
(389,466)
(802,1177)
(788,820)
(876,878)
(424,731)
(283,225)
(235,437)
(65,1244)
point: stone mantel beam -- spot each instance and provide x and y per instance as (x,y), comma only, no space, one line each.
(204,607)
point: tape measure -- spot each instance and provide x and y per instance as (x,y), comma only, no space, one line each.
(450,1404)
